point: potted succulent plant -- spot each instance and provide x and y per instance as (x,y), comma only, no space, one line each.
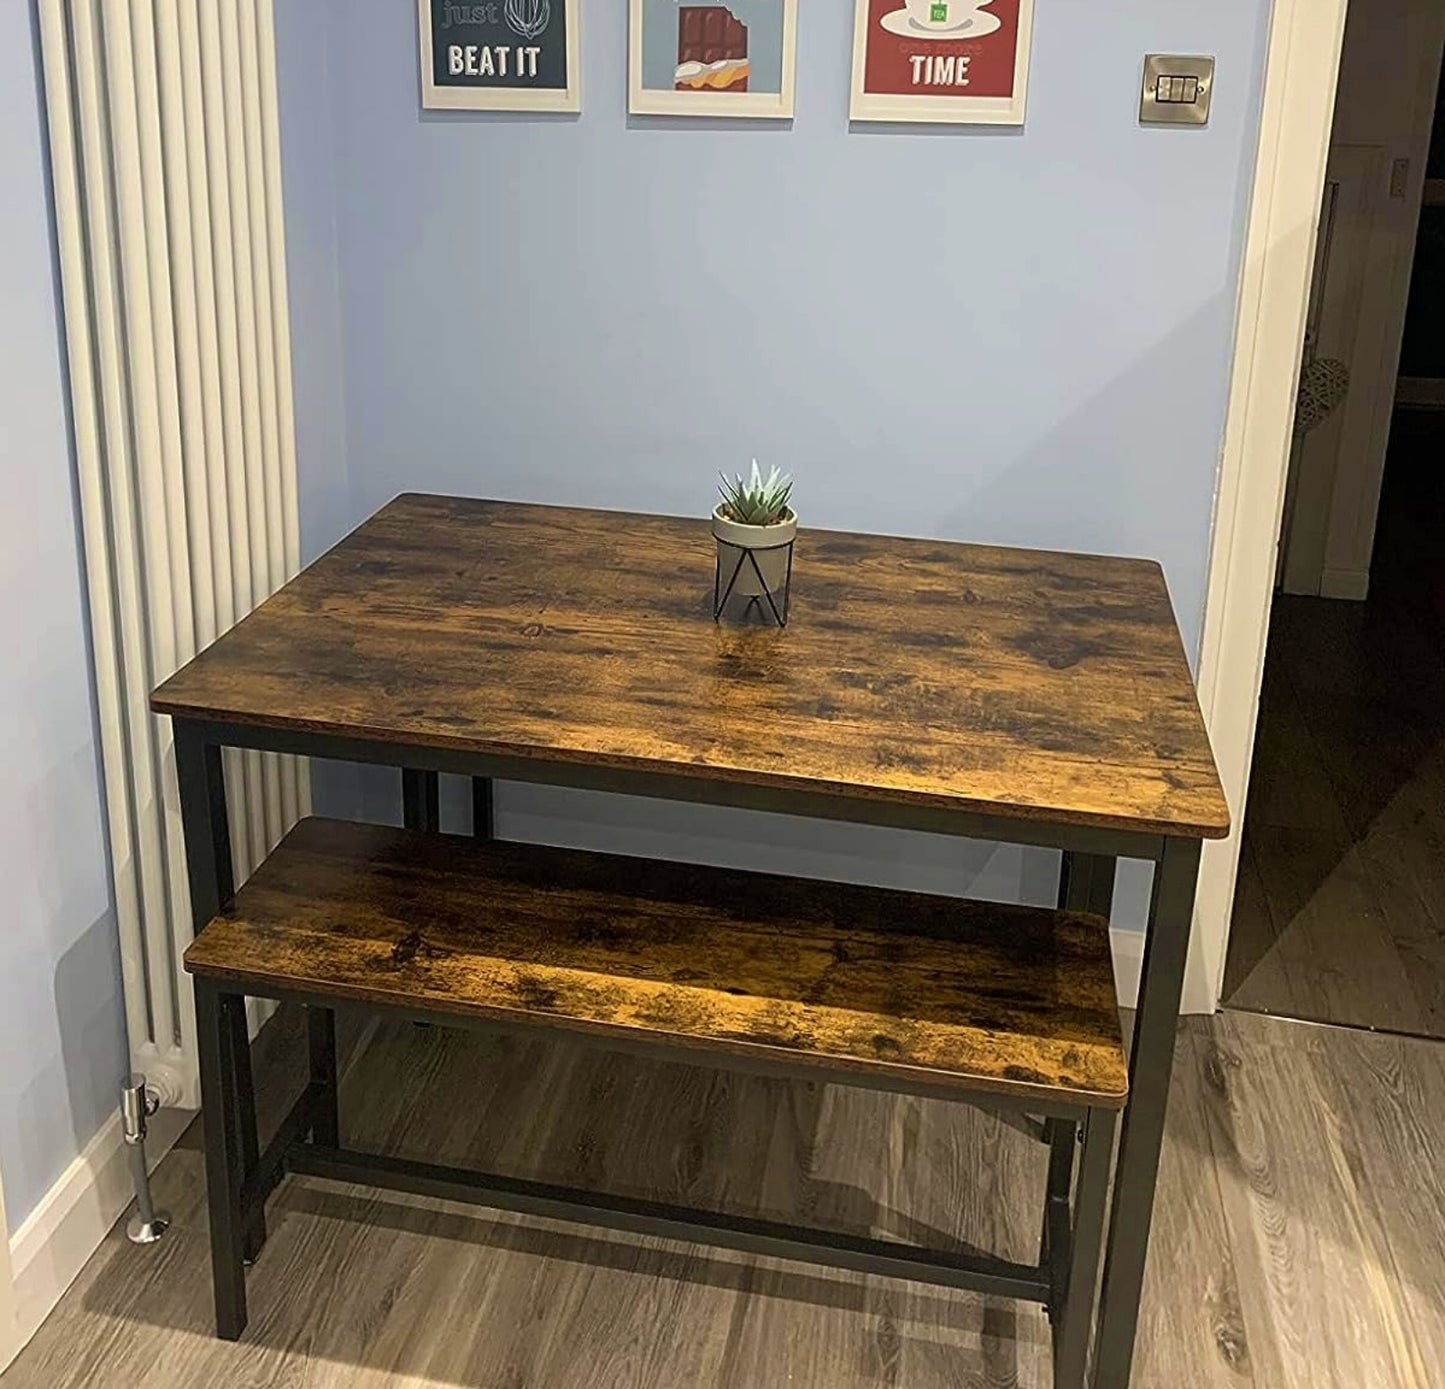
(755,527)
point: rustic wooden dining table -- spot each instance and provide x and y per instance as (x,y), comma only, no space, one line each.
(1010,695)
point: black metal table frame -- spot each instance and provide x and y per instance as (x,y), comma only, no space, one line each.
(1086,883)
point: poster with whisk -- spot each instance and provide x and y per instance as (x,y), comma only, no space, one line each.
(499,55)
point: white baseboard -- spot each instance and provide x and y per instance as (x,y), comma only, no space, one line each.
(52,1244)
(1128,951)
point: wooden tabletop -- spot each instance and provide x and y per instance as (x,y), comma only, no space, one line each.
(1048,687)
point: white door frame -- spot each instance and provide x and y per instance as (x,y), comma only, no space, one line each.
(1305,41)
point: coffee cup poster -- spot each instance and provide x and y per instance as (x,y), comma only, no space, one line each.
(963,61)
(500,55)
(734,59)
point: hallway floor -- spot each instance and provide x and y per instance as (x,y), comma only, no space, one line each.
(1299,1240)
(1340,909)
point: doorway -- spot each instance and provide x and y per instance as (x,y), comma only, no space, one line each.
(1339,907)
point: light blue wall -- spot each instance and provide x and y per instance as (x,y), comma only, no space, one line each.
(985,334)
(61,1024)
(314,275)
(314,280)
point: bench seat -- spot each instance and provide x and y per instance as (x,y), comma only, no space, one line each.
(913,992)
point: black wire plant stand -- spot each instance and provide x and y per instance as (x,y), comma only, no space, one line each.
(749,555)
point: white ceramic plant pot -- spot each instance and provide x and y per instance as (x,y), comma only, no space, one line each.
(769,546)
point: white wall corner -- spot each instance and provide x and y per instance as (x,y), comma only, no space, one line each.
(51,1245)
(1128,951)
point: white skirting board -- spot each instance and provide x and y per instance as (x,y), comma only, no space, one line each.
(1128,951)
(52,1244)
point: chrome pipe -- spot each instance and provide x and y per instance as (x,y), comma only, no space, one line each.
(137,1104)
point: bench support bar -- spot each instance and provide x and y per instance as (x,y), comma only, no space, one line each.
(307,1144)
(657,1219)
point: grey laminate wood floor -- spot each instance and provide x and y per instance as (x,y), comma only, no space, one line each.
(1340,911)
(1300,1237)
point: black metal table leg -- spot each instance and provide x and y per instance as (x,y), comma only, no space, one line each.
(201,781)
(1151,1063)
(420,800)
(225,1178)
(321,1043)
(484,821)
(1086,884)
(1071,1339)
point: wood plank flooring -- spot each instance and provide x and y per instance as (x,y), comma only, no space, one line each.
(1300,1236)
(1339,913)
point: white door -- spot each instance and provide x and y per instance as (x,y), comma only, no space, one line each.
(1384,111)
(1338,331)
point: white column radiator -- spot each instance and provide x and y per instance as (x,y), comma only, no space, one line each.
(166,164)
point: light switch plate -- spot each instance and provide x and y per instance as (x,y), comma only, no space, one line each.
(1177,89)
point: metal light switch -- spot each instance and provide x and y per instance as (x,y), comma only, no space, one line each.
(1176,90)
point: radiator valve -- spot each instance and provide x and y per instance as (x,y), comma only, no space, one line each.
(137,1104)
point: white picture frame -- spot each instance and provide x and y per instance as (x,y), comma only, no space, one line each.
(439,96)
(644,100)
(929,105)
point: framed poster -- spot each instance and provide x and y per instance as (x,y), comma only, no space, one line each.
(503,55)
(964,61)
(733,59)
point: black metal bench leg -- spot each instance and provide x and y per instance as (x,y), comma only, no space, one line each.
(225,1180)
(1054,1242)
(421,806)
(321,1042)
(484,821)
(245,1099)
(421,800)
(1071,1340)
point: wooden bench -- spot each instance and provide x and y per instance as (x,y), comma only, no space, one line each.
(1006,1005)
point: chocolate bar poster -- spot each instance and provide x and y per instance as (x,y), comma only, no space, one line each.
(963,61)
(501,55)
(734,59)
